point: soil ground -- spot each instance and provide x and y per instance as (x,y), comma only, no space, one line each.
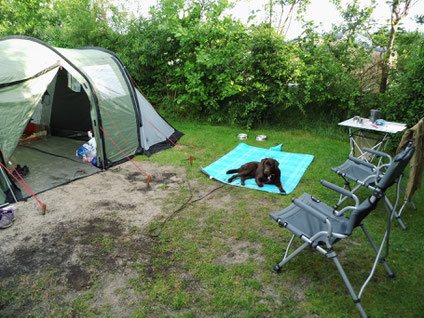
(92,232)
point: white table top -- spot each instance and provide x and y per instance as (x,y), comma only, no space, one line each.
(388,127)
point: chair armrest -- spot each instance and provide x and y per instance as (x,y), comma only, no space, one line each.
(362,162)
(378,153)
(340,190)
(337,188)
(310,209)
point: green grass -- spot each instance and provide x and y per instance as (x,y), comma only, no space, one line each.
(198,282)
(214,258)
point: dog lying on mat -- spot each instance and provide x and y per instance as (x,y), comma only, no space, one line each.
(266,171)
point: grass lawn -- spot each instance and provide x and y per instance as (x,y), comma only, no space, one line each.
(214,256)
(207,276)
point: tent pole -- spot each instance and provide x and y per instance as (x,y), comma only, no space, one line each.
(8,184)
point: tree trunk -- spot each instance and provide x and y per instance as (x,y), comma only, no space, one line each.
(388,59)
(396,16)
(289,16)
(270,12)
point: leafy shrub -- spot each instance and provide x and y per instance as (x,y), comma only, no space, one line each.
(405,97)
(194,62)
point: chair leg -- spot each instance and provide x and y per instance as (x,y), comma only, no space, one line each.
(355,298)
(286,257)
(378,256)
(406,200)
(329,255)
(413,204)
(396,215)
(374,246)
(403,206)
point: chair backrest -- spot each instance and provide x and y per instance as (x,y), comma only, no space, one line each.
(392,173)
(399,163)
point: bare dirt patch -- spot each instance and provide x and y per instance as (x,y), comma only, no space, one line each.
(240,252)
(94,229)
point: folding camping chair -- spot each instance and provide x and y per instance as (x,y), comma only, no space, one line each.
(365,174)
(320,226)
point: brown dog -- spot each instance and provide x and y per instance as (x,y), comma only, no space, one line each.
(266,171)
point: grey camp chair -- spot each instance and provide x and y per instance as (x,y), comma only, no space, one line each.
(320,226)
(365,174)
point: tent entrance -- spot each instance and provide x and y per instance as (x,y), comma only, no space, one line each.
(51,162)
(59,127)
(70,109)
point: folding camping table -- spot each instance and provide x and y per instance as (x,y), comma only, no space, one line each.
(381,134)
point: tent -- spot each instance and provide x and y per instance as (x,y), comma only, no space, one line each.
(50,98)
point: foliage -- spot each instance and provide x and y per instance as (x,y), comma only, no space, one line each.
(85,23)
(208,75)
(399,10)
(268,69)
(405,98)
(23,17)
(333,83)
(188,62)
(355,18)
(194,61)
(65,23)
(280,19)
(208,66)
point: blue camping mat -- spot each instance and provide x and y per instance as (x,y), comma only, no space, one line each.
(292,166)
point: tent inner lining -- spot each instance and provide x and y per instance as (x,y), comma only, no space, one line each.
(70,113)
(51,162)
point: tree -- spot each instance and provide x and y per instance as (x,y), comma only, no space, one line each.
(74,23)
(288,8)
(66,23)
(399,10)
(356,19)
(405,95)
(23,17)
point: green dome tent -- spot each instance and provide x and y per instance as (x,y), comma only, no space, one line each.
(51,97)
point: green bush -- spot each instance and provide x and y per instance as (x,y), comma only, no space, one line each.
(194,62)
(405,97)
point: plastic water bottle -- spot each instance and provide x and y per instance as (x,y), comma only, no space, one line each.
(92,143)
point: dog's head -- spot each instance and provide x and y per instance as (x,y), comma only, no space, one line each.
(270,167)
